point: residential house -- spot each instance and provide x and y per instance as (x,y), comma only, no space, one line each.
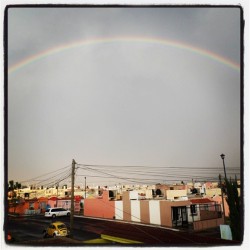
(168,213)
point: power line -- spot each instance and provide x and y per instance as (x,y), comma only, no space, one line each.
(156,173)
(134,174)
(147,166)
(32,179)
(153,176)
(52,180)
(111,175)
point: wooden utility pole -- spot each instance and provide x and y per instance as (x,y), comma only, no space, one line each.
(72,197)
(57,193)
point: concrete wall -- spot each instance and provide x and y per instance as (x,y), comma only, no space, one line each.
(64,203)
(25,206)
(52,203)
(208,215)
(126,207)
(157,212)
(218,199)
(204,224)
(133,195)
(102,207)
(19,209)
(154,212)
(166,213)
(172,194)
(149,194)
(213,191)
(135,211)
(119,210)
(144,209)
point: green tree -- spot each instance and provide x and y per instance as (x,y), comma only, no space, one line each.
(17,185)
(11,185)
(12,195)
(233,201)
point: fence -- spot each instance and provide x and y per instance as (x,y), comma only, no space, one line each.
(31,212)
(205,216)
(208,212)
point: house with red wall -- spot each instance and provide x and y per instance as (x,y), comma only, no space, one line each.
(65,202)
(168,213)
(28,206)
(218,199)
(101,207)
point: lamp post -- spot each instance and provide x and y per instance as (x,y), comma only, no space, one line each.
(85,186)
(223,157)
(222,199)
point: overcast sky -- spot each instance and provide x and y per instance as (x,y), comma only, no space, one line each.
(127,101)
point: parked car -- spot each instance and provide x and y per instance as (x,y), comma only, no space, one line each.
(56,229)
(58,211)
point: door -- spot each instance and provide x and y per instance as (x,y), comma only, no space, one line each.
(175,216)
(184,216)
(179,216)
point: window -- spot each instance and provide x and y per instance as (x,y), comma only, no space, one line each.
(31,206)
(111,194)
(61,226)
(206,207)
(193,209)
(175,213)
(158,192)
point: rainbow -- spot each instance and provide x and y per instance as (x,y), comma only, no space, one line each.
(95,41)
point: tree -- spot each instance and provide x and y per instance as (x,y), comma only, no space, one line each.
(233,201)
(17,185)
(11,185)
(12,195)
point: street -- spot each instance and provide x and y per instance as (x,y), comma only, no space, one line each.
(27,230)
(30,228)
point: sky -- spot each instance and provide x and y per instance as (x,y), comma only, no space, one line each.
(155,90)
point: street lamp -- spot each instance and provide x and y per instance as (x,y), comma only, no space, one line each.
(222,199)
(223,157)
(85,187)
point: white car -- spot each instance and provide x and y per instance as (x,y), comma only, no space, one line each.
(57,211)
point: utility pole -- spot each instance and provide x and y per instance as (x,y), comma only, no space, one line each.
(57,193)
(72,197)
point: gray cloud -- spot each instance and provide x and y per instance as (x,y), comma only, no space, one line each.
(122,103)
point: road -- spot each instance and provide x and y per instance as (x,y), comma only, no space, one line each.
(30,228)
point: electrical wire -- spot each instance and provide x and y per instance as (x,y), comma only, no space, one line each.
(54,179)
(45,174)
(153,175)
(133,174)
